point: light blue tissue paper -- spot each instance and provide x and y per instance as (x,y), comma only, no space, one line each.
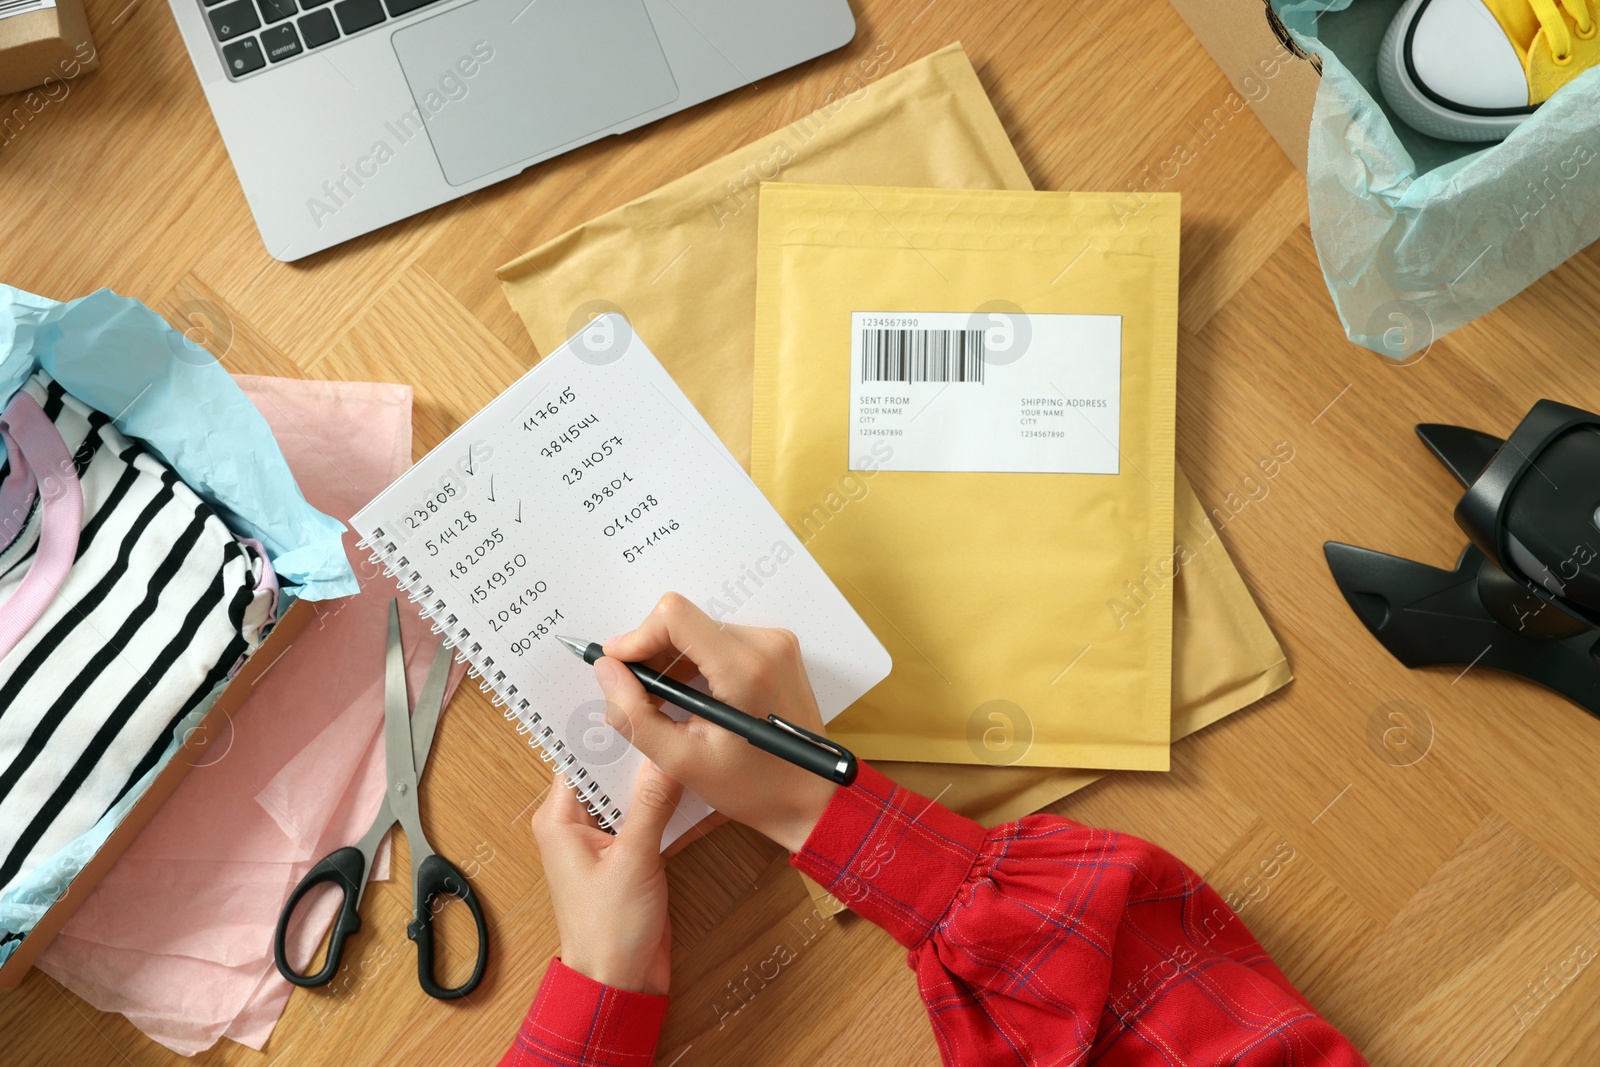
(1411,253)
(117,355)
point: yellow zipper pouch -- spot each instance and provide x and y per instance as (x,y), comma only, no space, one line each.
(964,407)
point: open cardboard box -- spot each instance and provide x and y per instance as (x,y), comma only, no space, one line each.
(1416,236)
(42,48)
(193,750)
(1272,73)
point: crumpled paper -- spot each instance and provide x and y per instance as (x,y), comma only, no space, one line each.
(117,355)
(178,935)
(1412,250)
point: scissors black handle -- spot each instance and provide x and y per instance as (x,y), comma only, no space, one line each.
(345,868)
(438,877)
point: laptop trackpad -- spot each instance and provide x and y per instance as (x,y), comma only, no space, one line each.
(497,82)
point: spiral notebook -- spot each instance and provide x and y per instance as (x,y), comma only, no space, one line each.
(569,505)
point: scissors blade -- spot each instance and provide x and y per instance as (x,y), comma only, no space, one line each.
(430,702)
(368,845)
(400,769)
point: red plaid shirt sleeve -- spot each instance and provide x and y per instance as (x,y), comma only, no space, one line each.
(577,1022)
(1048,942)
(1039,942)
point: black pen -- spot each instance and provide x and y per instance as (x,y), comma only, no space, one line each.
(783,739)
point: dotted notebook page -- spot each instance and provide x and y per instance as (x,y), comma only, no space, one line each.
(569,505)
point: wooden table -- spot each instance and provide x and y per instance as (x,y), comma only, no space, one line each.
(1440,913)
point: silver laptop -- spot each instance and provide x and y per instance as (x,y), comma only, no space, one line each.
(342,116)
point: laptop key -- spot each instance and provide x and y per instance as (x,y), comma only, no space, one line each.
(356,15)
(275,10)
(317,29)
(233,19)
(244,56)
(400,7)
(280,42)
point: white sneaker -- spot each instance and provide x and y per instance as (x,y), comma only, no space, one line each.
(1474,70)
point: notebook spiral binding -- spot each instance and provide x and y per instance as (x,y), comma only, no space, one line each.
(541,738)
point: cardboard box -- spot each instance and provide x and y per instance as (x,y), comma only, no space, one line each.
(44,48)
(195,747)
(1268,70)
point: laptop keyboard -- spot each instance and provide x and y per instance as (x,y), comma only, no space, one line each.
(255,34)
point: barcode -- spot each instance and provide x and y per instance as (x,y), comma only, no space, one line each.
(922,356)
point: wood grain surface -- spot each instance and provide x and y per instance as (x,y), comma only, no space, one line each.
(1440,910)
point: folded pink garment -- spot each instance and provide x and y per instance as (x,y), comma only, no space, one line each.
(178,936)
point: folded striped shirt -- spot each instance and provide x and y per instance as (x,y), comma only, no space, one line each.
(160,604)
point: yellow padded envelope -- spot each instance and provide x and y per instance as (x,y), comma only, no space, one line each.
(927,124)
(964,406)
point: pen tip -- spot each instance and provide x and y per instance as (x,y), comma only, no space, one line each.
(578,647)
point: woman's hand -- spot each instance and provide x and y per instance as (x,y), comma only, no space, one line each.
(758,671)
(610,893)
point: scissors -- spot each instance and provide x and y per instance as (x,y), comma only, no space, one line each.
(406,741)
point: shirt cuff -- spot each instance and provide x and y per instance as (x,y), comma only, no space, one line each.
(577,1021)
(893,857)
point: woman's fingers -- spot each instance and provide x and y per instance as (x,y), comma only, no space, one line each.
(638,717)
(675,665)
(655,800)
(562,807)
(564,822)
